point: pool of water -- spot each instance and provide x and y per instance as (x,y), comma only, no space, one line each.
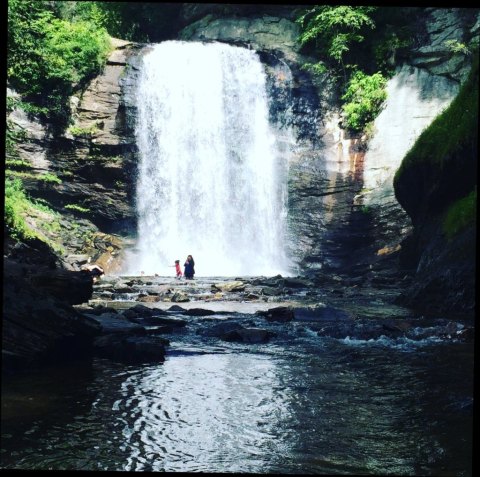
(301,403)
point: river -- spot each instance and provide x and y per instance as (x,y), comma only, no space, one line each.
(305,402)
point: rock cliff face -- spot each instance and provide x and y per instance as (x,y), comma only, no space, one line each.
(440,173)
(94,165)
(343,215)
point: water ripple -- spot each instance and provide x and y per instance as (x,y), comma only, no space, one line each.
(343,409)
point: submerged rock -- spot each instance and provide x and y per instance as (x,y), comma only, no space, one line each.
(248,335)
(131,349)
(281,313)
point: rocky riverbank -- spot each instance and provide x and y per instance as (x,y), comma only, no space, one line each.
(140,316)
(52,314)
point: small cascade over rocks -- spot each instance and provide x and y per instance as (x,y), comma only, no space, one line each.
(212,179)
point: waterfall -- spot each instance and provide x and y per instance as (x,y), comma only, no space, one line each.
(211,181)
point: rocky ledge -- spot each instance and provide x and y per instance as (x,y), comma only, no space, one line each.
(141,317)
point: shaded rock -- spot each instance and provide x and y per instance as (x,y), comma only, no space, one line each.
(115,323)
(72,287)
(157,320)
(176,308)
(467,334)
(39,323)
(142,310)
(180,297)
(281,313)
(131,349)
(198,312)
(149,298)
(320,313)
(275,281)
(161,330)
(122,288)
(269,291)
(221,329)
(397,326)
(228,286)
(248,335)
(98,310)
(298,282)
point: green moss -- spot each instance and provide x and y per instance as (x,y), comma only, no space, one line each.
(49,177)
(77,208)
(17,164)
(44,206)
(43,222)
(16,207)
(86,132)
(460,214)
(453,129)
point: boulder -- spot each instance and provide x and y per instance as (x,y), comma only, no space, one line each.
(248,335)
(131,349)
(281,313)
(228,286)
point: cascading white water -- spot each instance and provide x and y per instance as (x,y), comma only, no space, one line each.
(211,180)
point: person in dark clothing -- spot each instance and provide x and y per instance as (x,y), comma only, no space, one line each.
(189,268)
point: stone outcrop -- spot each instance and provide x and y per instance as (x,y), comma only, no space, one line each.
(91,166)
(98,150)
(39,323)
(432,177)
(443,51)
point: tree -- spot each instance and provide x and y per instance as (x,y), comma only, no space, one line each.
(334,29)
(363,99)
(48,56)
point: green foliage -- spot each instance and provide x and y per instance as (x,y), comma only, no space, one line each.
(47,56)
(335,28)
(386,48)
(16,207)
(314,68)
(363,98)
(83,132)
(49,177)
(17,164)
(460,214)
(136,21)
(456,46)
(81,12)
(77,50)
(44,206)
(13,135)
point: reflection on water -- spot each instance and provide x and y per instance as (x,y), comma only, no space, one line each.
(222,406)
(332,408)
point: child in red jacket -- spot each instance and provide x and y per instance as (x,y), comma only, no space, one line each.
(178,270)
